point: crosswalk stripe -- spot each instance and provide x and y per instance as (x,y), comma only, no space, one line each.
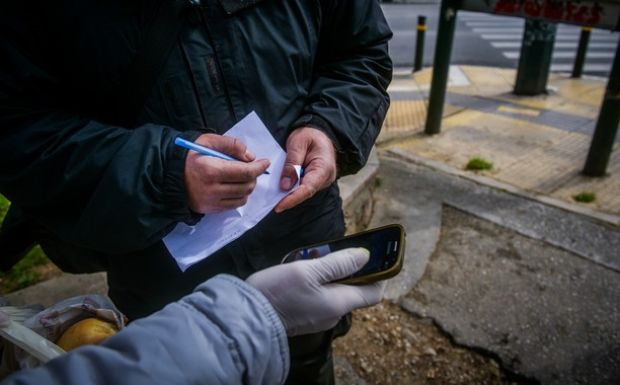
(497,30)
(517,44)
(564,55)
(586,67)
(493,23)
(589,55)
(561,31)
(519,36)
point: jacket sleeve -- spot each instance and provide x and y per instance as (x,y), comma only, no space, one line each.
(93,184)
(349,99)
(226,332)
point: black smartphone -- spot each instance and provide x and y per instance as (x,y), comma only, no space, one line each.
(386,245)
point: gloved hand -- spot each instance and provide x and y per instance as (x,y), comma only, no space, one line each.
(304,298)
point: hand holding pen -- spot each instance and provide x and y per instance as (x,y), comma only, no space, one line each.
(225,178)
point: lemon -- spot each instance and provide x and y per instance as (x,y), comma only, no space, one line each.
(86,331)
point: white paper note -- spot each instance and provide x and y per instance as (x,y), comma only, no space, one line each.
(191,244)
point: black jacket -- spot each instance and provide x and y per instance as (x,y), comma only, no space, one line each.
(98,184)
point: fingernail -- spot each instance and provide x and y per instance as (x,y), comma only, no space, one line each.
(249,155)
(286,183)
(362,255)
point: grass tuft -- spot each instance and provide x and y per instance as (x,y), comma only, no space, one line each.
(478,164)
(30,270)
(585,197)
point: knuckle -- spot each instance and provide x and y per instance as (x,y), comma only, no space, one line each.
(249,188)
(248,174)
(238,145)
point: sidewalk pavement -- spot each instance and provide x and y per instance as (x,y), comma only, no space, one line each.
(537,144)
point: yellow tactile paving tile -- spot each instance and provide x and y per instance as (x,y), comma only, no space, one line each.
(423,77)
(467,134)
(405,115)
(581,96)
(487,77)
(579,109)
(589,92)
(544,170)
(520,111)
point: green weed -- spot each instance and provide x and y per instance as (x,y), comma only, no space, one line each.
(26,272)
(585,197)
(478,164)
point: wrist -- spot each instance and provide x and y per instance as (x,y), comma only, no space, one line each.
(318,123)
(175,191)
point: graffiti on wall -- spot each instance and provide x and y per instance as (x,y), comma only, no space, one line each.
(553,10)
(594,13)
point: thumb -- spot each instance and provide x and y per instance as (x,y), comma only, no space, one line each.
(354,297)
(340,264)
(295,155)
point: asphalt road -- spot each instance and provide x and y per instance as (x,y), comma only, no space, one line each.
(489,40)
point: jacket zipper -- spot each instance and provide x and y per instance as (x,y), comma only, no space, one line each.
(216,71)
(194,84)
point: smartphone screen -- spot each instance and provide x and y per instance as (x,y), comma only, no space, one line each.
(384,245)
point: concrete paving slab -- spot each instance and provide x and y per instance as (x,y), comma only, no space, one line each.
(545,312)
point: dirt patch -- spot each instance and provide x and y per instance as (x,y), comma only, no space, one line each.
(29,276)
(388,346)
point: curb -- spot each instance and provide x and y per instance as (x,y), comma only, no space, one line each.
(605,218)
(356,194)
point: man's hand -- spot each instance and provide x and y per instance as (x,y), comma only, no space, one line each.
(312,149)
(215,185)
(305,299)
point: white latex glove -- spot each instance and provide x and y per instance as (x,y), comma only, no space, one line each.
(304,298)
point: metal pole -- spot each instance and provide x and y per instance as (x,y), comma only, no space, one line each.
(419,44)
(535,57)
(584,38)
(607,124)
(441,66)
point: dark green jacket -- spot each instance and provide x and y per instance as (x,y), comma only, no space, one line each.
(114,189)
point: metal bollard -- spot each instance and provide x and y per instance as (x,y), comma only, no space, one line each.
(607,124)
(580,58)
(535,57)
(419,44)
(441,65)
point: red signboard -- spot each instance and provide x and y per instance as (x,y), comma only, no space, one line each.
(599,14)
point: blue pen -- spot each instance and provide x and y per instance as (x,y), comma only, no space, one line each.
(204,150)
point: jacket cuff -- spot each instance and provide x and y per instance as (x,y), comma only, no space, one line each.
(315,121)
(174,191)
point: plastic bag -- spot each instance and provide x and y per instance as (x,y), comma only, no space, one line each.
(52,322)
